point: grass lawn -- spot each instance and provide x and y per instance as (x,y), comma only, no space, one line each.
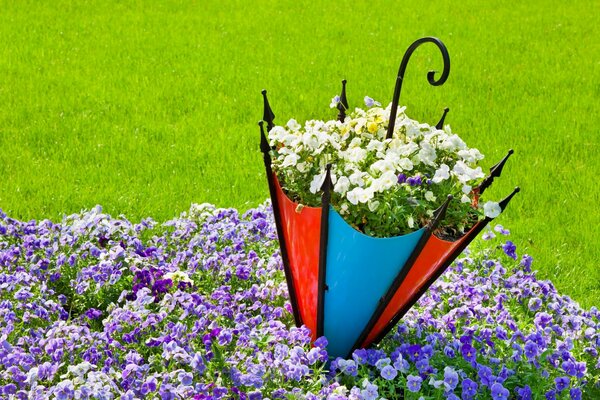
(146,108)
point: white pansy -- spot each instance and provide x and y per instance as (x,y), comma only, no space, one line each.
(310,140)
(357,178)
(290,140)
(408,149)
(290,160)
(356,142)
(382,166)
(453,143)
(178,276)
(276,134)
(293,125)
(427,154)
(352,195)
(441,174)
(342,185)
(356,154)
(464,173)
(375,145)
(359,195)
(365,195)
(491,209)
(429,196)
(359,124)
(405,164)
(388,180)
(317,182)
(471,155)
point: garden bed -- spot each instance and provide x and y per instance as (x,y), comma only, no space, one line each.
(99,307)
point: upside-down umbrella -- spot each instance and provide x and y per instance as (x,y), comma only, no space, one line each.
(343,284)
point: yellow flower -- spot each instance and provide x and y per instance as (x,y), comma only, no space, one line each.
(372,127)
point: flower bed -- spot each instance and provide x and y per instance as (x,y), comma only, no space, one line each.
(382,186)
(99,307)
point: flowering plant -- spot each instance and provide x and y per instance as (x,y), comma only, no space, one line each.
(197,308)
(382,186)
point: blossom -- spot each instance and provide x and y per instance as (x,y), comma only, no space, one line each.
(562,383)
(491,209)
(388,372)
(413,383)
(450,378)
(334,102)
(432,162)
(441,174)
(369,102)
(469,389)
(499,392)
(155,343)
(510,249)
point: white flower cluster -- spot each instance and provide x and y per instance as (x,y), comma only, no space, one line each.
(418,166)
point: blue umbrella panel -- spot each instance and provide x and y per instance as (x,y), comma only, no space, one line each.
(359,270)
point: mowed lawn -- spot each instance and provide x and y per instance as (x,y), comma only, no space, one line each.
(145,108)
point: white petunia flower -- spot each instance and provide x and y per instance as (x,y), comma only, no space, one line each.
(491,209)
(466,189)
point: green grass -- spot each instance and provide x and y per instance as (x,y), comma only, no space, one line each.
(146,108)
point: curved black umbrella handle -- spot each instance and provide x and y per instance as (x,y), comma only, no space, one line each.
(430,75)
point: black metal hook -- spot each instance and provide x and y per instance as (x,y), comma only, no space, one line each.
(342,105)
(440,213)
(430,76)
(268,115)
(508,198)
(264,142)
(324,235)
(440,124)
(495,172)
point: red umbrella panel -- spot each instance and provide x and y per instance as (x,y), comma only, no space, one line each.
(301,230)
(436,257)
